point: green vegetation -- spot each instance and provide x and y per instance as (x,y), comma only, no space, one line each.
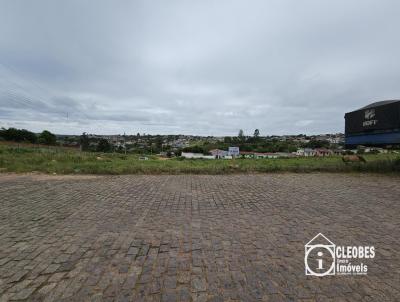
(155,144)
(22,135)
(14,158)
(103,146)
(47,138)
(256,143)
(18,135)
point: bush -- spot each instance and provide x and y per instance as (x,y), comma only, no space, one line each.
(103,146)
(84,142)
(195,149)
(47,138)
(18,135)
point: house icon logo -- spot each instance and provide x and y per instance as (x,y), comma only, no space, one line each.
(319,256)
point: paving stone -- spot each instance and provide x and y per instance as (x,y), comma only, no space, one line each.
(47,288)
(133,251)
(199,284)
(23,293)
(193,237)
(52,268)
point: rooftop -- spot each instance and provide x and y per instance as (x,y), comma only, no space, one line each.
(380,103)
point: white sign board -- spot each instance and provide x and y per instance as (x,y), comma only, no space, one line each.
(233,151)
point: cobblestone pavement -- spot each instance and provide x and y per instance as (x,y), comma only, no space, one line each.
(193,238)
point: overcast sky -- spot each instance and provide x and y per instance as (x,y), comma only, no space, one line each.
(195,67)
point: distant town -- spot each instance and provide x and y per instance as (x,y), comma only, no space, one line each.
(192,146)
(172,145)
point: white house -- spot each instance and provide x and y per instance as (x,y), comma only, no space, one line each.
(305,152)
(217,153)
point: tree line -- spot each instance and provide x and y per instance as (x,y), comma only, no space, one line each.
(23,135)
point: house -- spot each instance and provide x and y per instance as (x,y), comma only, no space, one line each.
(323,152)
(305,152)
(338,151)
(217,153)
(300,152)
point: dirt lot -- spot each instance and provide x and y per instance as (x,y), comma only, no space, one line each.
(200,238)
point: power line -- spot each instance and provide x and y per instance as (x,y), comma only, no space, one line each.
(20,95)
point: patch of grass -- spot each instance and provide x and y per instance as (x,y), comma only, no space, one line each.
(66,161)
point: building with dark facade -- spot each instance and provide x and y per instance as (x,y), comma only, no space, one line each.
(377,124)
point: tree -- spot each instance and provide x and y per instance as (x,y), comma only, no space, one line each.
(28,136)
(17,135)
(317,144)
(47,138)
(241,135)
(159,143)
(227,139)
(84,142)
(194,149)
(256,133)
(103,146)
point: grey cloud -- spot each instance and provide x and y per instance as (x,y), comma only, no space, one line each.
(195,67)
